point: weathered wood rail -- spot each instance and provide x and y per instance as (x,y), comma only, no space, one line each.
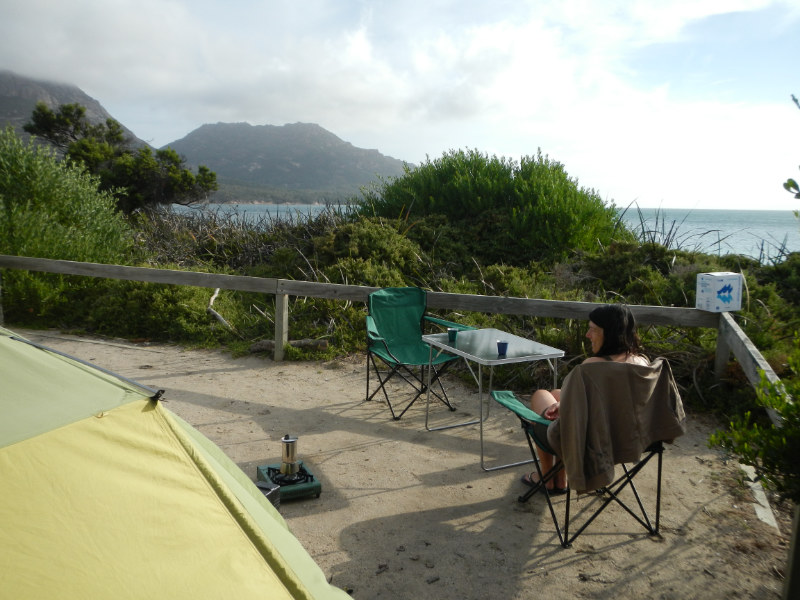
(730,338)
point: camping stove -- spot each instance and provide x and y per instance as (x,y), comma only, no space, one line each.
(293,479)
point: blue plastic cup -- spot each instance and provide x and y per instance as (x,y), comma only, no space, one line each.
(502,347)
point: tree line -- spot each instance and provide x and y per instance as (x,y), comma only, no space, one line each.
(138,177)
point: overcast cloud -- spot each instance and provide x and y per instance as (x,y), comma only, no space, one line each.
(676,103)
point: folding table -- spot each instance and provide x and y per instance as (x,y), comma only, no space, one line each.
(480,346)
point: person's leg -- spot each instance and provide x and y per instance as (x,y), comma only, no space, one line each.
(561,477)
(540,401)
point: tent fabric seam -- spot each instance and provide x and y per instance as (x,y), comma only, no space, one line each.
(237,511)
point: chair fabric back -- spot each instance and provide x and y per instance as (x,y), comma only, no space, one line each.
(610,413)
(398,313)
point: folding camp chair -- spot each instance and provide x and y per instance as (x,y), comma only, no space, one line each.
(662,402)
(395,326)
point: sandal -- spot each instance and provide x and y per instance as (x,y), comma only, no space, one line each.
(527,479)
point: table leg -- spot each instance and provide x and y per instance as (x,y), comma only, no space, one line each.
(428,400)
(488,407)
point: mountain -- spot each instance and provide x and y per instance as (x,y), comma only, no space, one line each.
(295,163)
(19,95)
(300,161)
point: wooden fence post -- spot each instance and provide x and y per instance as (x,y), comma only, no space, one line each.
(281,325)
(723,353)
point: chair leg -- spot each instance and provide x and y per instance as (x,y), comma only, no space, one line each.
(418,390)
(381,383)
(542,486)
(565,541)
(437,378)
(645,520)
(611,494)
(658,491)
(423,386)
(417,382)
(367,396)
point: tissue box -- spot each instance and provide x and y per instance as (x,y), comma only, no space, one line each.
(719,292)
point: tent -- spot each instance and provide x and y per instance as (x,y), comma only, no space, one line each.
(104,493)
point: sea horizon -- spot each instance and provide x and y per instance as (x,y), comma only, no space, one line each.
(620,209)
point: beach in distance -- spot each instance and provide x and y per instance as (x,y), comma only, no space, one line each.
(760,234)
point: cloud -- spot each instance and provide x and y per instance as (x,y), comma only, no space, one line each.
(577,78)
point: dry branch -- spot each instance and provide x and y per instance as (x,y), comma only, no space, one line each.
(218,316)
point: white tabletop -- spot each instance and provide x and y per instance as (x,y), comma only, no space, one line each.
(480,345)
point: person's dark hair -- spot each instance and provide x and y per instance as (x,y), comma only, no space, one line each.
(619,329)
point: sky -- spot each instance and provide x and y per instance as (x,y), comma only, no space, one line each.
(668,103)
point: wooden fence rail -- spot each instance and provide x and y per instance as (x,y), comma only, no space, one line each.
(730,337)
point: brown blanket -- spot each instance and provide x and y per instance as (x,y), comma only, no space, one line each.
(609,414)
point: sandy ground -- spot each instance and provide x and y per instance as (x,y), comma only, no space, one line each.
(407,513)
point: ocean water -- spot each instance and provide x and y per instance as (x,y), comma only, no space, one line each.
(256,212)
(760,234)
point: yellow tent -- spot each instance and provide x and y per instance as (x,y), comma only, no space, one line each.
(104,493)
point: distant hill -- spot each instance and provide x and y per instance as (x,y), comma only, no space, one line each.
(296,163)
(19,95)
(299,162)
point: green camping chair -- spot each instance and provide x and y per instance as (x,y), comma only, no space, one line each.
(395,326)
(661,393)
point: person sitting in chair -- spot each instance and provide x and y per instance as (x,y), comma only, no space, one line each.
(612,332)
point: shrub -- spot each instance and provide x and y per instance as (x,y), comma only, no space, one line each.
(771,449)
(49,209)
(368,239)
(358,271)
(506,211)
(153,311)
(786,277)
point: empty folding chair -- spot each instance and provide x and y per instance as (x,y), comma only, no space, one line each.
(395,326)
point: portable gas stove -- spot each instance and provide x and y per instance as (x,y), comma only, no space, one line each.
(293,479)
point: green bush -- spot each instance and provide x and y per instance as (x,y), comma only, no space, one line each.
(154,311)
(444,244)
(786,277)
(504,211)
(359,271)
(368,239)
(464,223)
(772,450)
(49,209)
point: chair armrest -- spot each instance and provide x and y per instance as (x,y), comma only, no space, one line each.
(447,324)
(512,403)
(372,330)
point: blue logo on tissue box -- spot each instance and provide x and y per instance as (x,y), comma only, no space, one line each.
(725,294)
